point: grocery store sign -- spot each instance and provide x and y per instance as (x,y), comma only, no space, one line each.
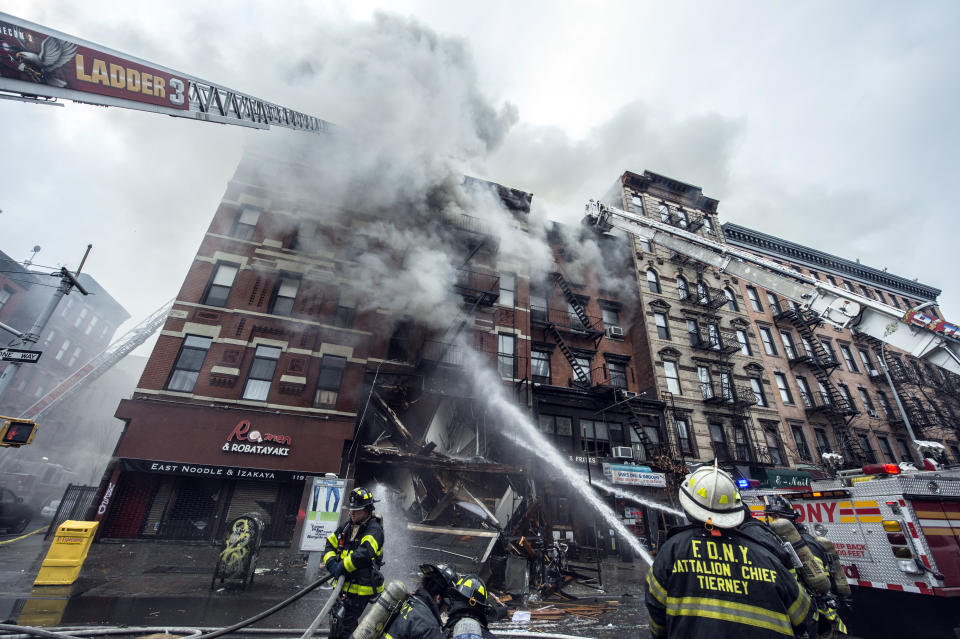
(243,439)
(634,476)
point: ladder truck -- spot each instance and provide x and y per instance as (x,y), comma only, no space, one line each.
(923,336)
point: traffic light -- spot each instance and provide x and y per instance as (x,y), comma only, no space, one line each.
(16,432)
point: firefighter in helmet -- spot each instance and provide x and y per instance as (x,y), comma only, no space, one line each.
(354,554)
(419,617)
(709,580)
(469,610)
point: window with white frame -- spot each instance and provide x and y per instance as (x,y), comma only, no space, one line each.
(867,402)
(664,213)
(683,289)
(788,348)
(784,389)
(743,341)
(731,300)
(540,366)
(754,299)
(5,295)
(801,442)
(757,386)
(773,302)
(93,322)
(767,338)
(653,282)
(706,384)
(618,374)
(329,380)
(804,391)
(508,289)
(245,224)
(190,359)
(848,358)
(63,350)
(260,377)
(82,316)
(286,295)
(673,378)
(507,355)
(218,290)
(663,329)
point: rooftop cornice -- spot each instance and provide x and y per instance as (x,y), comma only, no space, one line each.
(818,260)
(656,184)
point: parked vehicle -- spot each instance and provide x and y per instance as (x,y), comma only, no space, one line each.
(14,514)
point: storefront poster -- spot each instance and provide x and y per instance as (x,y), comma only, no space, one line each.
(786,478)
(634,476)
(323,512)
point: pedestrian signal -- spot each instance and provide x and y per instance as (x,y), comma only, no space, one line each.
(16,432)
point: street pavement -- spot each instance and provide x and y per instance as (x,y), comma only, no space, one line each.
(156,584)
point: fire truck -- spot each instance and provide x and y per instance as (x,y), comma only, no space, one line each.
(897,532)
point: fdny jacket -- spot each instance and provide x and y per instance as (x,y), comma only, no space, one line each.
(703,585)
(360,548)
(419,618)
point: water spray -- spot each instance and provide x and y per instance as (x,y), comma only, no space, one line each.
(536,443)
(629,496)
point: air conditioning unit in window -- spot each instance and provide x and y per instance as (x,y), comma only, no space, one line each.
(622,452)
(625,394)
(615,331)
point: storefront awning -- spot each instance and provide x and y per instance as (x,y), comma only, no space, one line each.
(785,478)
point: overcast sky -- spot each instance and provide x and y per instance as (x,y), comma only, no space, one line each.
(832,124)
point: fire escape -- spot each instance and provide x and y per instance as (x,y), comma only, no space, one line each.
(827,400)
(575,321)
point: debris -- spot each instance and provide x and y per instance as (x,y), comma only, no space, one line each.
(521,616)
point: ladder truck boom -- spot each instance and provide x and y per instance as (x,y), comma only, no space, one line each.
(922,336)
(41,65)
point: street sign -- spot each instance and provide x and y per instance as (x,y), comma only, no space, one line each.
(17,355)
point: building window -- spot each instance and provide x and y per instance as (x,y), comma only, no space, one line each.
(773,302)
(708,223)
(5,295)
(63,350)
(845,391)
(804,392)
(801,442)
(189,362)
(683,436)
(663,329)
(726,385)
(807,347)
(538,306)
(744,343)
(865,291)
(905,454)
(594,437)
(540,366)
(847,285)
(886,450)
(508,288)
(558,425)
(893,298)
(867,403)
(823,442)
(653,282)
(682,218)
(824,395)
(507,355)
(245,224)
(884,403)
(783,388)
(768,346)
(683,290)
(757,387)
(584,364)
(719,441)
(673,379)
(731,300)
(773,445)
(867,362)
(93,322)
(261,373)
(82,316)
(848,358)
(814,275)
(285,296)
(645,245)
(49,338)
(827,346)
(618,374)
(907,303)
(788,348)
(611,317)
(867,449)
(328,381)
(693,331)
(218,290)
(754,299)
(706,384)
(880,296)
(346,312)
(713,332)
(74,357)
(664,213)
(637,202)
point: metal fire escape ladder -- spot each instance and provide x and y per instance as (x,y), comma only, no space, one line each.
(92,370)
(652,450)
(583,378)
(577,307)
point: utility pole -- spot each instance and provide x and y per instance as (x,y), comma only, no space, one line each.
(67,282)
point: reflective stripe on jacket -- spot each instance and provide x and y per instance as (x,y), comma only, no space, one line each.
(419,618)
(728,586)
(360,548)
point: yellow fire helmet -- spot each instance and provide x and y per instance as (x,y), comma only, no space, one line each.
(710,495)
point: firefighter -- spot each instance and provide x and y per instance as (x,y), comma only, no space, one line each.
(354,554)
(469,610)
(419,617)
(709,580)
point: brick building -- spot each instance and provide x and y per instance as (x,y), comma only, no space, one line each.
(830,386)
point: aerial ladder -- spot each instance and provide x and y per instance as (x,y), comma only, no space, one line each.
(92,370)
(919,334)
(42,66)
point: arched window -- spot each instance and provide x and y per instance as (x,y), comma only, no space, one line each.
(702,293)
(731,300)
(682,288)
(653,282)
